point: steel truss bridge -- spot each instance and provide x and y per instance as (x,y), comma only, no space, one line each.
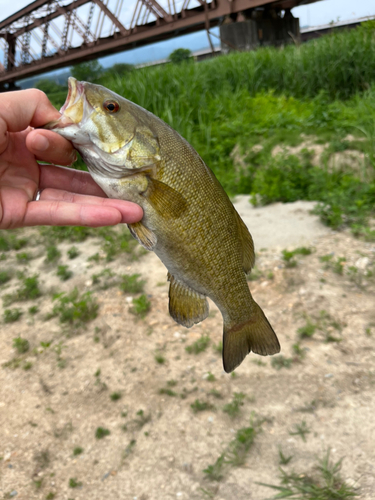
(51,34)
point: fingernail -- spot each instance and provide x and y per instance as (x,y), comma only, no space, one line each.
(41,143)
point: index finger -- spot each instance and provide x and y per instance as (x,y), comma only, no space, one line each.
(24,108)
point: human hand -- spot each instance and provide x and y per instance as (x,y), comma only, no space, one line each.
(68,197)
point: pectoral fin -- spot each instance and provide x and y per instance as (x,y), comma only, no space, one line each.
(186,306)
(247,245)
(145,236)
(165,200)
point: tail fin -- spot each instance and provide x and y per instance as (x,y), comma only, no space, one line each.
(255,335)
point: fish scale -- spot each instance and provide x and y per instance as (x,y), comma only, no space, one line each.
(189,221)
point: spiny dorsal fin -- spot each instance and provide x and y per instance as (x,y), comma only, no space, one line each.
(247,245)
(186,306)
(165,200)
(145,236)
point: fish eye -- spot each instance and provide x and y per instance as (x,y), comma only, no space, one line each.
(111,106)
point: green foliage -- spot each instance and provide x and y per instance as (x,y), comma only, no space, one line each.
(88,71)
(49,86)
(120,69)
(61,233)
(307,330)
(323,483)
(21,345)
(131,283)
(77,451)
(23,257)
(179,55)
(198,406)
(74,483)
(29,290)
(234,407)
(73,252)
(141,306)
(5,276)
(281,361)
(115,396)
(199,345)
(64,273)
(12,315)
(75,309)
(53,254)
(300,430)
(9,241)
(101,432)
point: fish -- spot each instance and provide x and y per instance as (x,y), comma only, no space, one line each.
(189,220)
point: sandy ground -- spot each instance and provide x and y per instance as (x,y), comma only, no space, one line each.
(158,446)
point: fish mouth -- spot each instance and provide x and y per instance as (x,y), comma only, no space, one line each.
(76,90)
(73,109)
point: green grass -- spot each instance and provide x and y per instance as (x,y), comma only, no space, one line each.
(64,273)
(141,306)
(73,252)
(12,315)
(324,482)
(29,290)
(199,406)
(115,396)
(78,450)
(101,433)
(21,345)
(131,283)
(53,254)
(233,408)
(199,345)
(74,308)
(300,430)
(74,483)
(5,276)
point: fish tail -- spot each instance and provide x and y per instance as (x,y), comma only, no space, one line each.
(256,335)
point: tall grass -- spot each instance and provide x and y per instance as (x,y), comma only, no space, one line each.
(230,103)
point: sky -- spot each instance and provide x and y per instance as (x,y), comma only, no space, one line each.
(321,12)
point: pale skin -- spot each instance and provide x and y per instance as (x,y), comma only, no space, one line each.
(68,197)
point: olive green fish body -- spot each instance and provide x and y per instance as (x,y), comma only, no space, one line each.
(189,221)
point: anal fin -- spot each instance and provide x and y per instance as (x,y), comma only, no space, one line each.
(186,306)
(143,235)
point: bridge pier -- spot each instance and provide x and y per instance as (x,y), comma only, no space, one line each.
(249,30)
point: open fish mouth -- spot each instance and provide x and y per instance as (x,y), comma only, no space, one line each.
(75,92)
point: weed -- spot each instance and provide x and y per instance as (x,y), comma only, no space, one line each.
(288,256)
(281,361)
(307,330)
(12,315)
(50,496)
(131,283)
(199,345)
(216,394)
(324,483)
(300,430)
(210,377)
(167,392)
(115,396)
(238,448)
(21,345)
(172,383)
(198,406)
(218,348)
(23,257)
(64,273)
(73,252)
(5,276)
(141,306)
(75,309)
(74,483)
(53,254)
(33,310)
(215,472)
(142,419)
(38,483)
(77,451)
(101,432)
(62,233)
(234,407)
(129,449)
(29,290)
(27,366)
(159,358)
(283,459)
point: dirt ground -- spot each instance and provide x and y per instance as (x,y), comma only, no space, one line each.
(158,446)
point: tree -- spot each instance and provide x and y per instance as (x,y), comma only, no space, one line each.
(88,71)
(49,86)
(121,68)
(179,55)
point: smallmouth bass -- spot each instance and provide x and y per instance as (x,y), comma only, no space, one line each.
(189,221)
